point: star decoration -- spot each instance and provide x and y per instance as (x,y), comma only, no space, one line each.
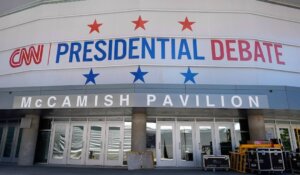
(139,75)
(189,76)
(90,77)
(186,24)
(139,23)
(95,26)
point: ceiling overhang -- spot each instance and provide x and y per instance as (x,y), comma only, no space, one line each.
(288,3)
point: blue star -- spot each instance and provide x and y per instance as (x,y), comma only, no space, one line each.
(189,76)
(90,77)
(139,75)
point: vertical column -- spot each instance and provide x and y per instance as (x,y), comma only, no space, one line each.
(30,126)
(256,125)
(138,132)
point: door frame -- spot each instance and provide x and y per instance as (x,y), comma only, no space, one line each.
(81,161)
(217,136)
(68,131)
(179,161)
(12,157)
(158,144)
(198,140)
(88,134)
(2,140)
(114,124)
(294,140)
(287,126)
(273,126)
(50,152)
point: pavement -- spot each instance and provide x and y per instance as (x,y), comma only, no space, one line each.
(91,170)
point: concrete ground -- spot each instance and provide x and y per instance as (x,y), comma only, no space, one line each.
(76,170)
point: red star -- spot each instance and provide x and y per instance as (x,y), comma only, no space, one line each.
(139,23)
(186,24)
(95,26)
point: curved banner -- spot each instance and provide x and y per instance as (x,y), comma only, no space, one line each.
(151,51)
(143,59)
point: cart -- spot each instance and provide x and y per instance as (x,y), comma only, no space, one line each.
(295,162)
(211,162)
(265,160)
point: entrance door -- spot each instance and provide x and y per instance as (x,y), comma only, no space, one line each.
(76,154)
(224,138)
(175,144)
(270,131)
(114,146)
(284,133)
(8,139)
(205,141)
(165,144)
(185,141)
(95,143)
(1,137)
(296,136)
(59,144)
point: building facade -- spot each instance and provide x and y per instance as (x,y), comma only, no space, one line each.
(84,82)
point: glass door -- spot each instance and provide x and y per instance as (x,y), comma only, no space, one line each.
(77,144)
(59,143)
(185,142)
(224,138)
(165,144)
(9,140)
(95,143)
(114,146)
(1,139)
(90,143)
(284,133)
(204,139)
(270,131)
(296,136)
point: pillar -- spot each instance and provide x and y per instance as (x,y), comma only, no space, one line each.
(256,125)
(138,131)
(30,126)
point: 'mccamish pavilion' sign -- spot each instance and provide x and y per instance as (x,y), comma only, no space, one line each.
(142,100)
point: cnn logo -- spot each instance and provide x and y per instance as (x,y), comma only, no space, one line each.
(21,55)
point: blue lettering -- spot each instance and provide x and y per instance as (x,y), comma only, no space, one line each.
(122,42)
(86,50)
(184,49)
(74,51)
(61,52)
(133,47)
(195,48)
(98,48)
(146,46)
(163,46)
(173,48)
(110,49)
